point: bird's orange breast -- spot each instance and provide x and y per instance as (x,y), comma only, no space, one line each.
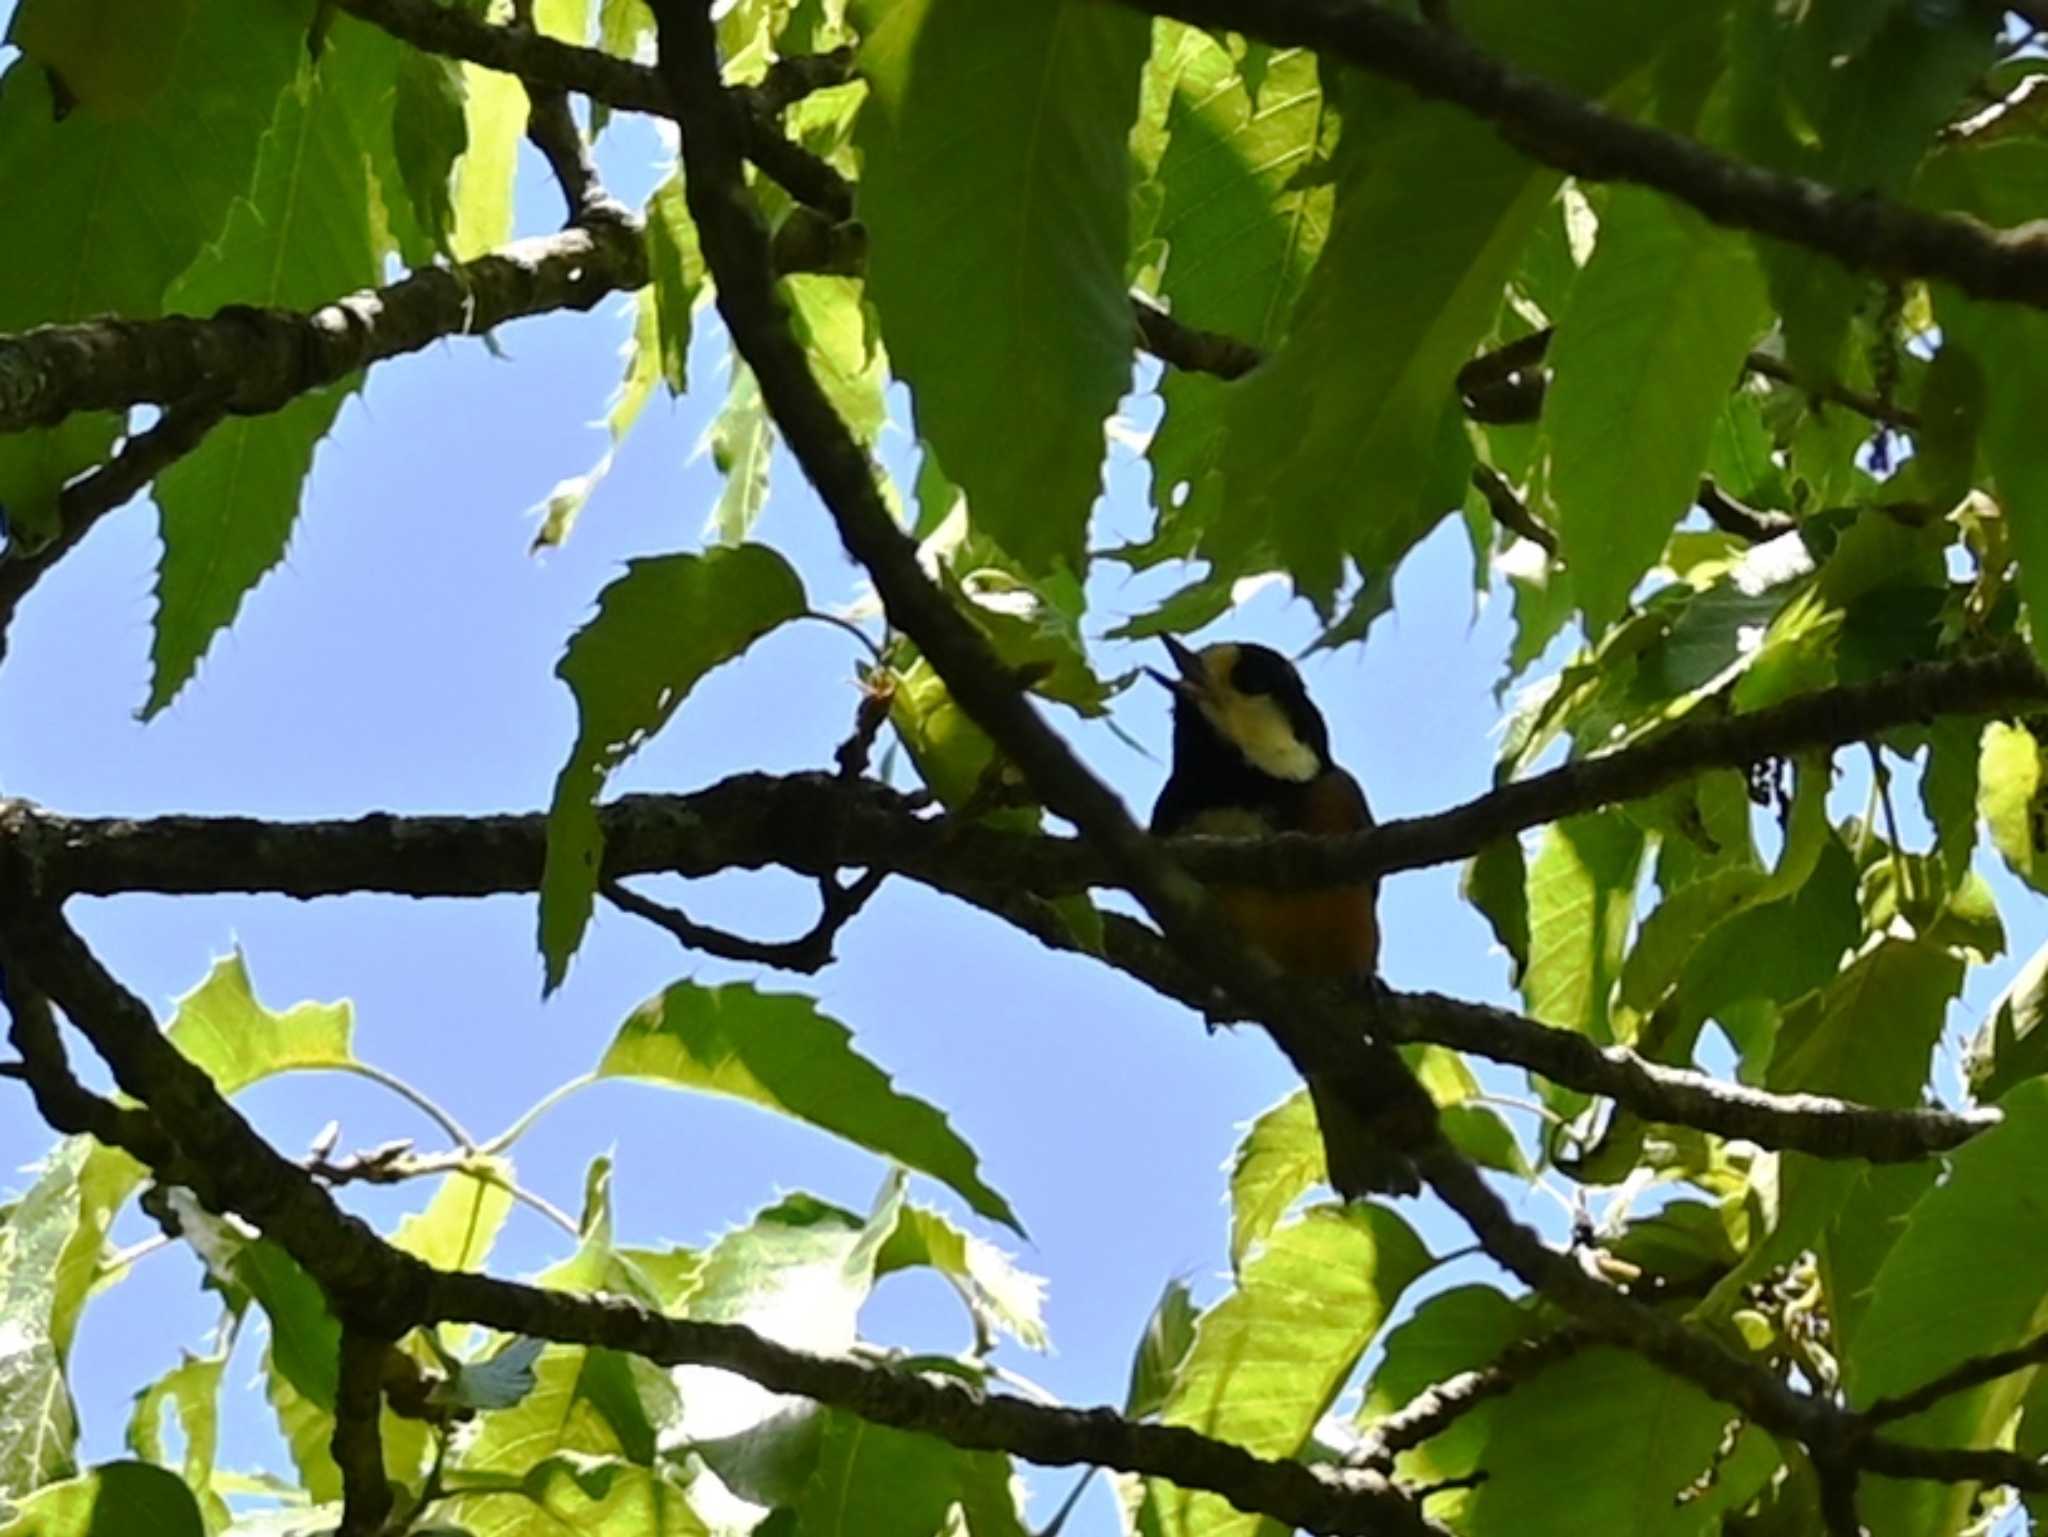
(1327,933)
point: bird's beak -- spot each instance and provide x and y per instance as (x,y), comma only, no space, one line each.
(1193,679)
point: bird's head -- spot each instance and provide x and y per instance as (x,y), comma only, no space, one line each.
(1248,699)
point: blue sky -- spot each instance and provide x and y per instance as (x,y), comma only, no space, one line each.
(401,659)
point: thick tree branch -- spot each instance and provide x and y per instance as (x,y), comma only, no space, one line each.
(358,1440)
(815,825)
(1563,130)
(255,360)
(380,1292)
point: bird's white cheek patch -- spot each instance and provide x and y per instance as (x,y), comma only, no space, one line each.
(1260,729)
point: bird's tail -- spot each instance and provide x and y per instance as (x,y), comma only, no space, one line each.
(1361,1161)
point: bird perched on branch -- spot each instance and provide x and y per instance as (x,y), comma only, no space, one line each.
(1251,757)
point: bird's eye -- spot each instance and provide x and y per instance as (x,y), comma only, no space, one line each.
(1258,671)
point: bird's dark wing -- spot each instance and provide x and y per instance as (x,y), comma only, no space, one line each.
(1175,807)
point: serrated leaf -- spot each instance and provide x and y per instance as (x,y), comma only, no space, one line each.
(776,1050)
(113,1497)
(741,442)
(871,1481)
(1240,235)
(1604,1441)
(494,108)
(456,1229)
(827,316)
(1935,1303)
(2011,1046)
(1000,1295)
(1268,1359)
(170,158)
(227,1031)
(677,263)
(1854,110)
(38,1425)
(429,134)
(1868,1036)
(2012,797)
(191,1390)
(996,196)
(301,237)
(659,628)
(1355,413)
(1581,898)
(1169,1336)
(1496,882)
(1656,331)
(1280,1158)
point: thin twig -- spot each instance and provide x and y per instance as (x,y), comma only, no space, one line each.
(809,954)
(1509,510)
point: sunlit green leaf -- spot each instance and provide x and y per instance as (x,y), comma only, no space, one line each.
(112,1498)
(1280,1158)
(996,197)
(776,1050)
(1268,1359)
(301,237)
(659,628)
(1581,898)
(1000,1295)
(1655,334)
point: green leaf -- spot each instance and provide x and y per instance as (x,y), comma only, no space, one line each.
(429,134)
(191,1389)
(167,151)
(1169,1336)
(38,1425)
(1240,231)
(221,1026)
(1949,789)
(1581,897)
(659,628)
(741,442)
(1935,1303)
(871,1481)
(1280,1158)
(1000,1296)
(2011,1046)
(677,263)
(996,195)
(300,238)
(1269,1359)
(572,1491)
(1605,1442)
(1355,413)
(494,110)
(1868,1036)
(1657,329)
(2013,799)
(459,1225)
(1454,1331)
(1496,883)
(777,1051)
(1854,111)
(827,316)
(111,1500)
(1866,1227)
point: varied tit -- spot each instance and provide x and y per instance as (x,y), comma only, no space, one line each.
(1251,756)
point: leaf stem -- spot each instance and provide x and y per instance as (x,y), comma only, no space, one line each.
(397,1085)
(524,1124)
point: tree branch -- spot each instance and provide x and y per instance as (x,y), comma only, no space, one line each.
(1563,130)
(1958,1379)
(83,503)
(358,1439)
(815,825)
(256,360)
(808,954)
(380,1292)
(1436,1408)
